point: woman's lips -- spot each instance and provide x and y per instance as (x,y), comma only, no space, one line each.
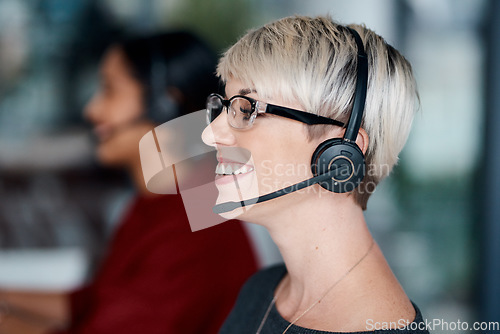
(102,132)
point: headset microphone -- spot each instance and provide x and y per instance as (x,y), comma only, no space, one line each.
(230,206)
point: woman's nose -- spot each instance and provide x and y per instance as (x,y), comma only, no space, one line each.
(218,132)
(91,109)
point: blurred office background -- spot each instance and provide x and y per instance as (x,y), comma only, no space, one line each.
(435,218)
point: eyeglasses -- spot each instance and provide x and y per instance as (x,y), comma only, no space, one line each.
(242,111)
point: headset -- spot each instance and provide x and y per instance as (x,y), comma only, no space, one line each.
(161,107)
(337,164)
(343,153)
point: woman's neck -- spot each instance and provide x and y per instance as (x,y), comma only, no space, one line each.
(320,240)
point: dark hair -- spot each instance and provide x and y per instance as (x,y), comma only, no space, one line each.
(177,60)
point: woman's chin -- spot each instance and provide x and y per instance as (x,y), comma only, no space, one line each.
(234,189)
(235,214)
(108,157)
(240,212)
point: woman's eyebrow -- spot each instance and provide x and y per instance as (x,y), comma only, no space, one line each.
(243,91)
(246,91)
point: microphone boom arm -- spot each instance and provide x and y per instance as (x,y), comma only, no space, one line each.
(230,206)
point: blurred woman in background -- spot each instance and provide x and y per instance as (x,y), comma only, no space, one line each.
(158,276)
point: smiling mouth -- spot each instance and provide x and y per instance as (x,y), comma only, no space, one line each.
(226,168)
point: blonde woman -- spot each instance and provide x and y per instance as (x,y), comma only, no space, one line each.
(295,92)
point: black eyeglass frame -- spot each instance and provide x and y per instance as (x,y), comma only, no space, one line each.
(259,108)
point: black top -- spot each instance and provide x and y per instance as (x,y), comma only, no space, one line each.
(255,297)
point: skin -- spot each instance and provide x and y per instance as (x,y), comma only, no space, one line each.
(320,234)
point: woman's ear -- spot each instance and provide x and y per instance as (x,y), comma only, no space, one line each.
(362,140)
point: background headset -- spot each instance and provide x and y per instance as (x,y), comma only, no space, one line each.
(161,107)
(337,164)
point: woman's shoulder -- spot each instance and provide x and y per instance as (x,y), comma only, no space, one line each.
(417,326)
(255,298)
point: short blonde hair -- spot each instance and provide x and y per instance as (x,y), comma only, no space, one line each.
(312,61)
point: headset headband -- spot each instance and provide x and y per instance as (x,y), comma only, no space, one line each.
(360,93)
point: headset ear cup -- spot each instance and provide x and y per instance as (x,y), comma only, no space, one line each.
(343,155)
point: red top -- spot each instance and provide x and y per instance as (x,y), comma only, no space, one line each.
(159,277)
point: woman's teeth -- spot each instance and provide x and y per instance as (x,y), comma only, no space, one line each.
(232,169)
